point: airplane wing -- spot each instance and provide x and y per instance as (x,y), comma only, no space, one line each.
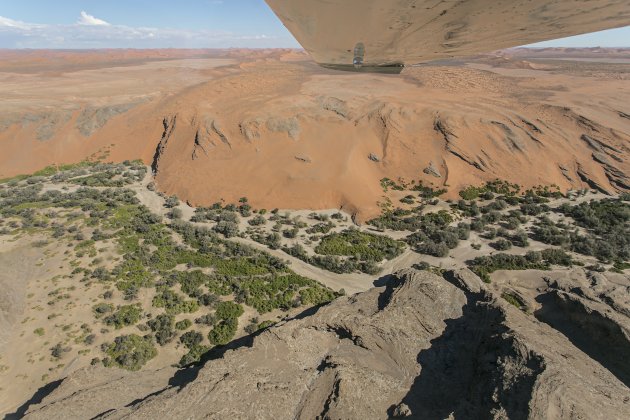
(371,33)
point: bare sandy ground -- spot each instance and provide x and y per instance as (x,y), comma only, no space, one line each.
(273,126)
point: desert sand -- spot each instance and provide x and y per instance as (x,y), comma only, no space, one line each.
(275,127)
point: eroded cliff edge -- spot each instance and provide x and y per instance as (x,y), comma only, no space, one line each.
(420,346)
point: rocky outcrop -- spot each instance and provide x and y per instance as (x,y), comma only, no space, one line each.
(48,124)
(432,170)
(607,156)
(450,145)
(565,173)
(336,106)
(92,119)
(208,134)
(250,129)
(511,139)
(591,180)
(289,125)
(422,346)
(169,126)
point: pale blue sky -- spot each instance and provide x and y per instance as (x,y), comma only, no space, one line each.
(173,23)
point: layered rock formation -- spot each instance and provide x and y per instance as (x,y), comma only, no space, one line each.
(420,346)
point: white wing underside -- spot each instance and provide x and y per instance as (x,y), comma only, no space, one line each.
(414,31)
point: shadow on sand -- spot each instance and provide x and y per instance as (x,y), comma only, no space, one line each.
(37,398)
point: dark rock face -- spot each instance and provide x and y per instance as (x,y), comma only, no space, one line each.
(422,347)
(169,126)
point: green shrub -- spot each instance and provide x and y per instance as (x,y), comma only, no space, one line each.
(227,229)
(512,300)
(361,245)
(124,316)
(184,324)
(131,351)
(227,310)
(174,303)
(162,325)
(193,355)
(266,324)
(496,186)
(316,296)
(487,264)
(257,220)
(207,319)
(501,244)
(101,309)
(224,332)
(191,339)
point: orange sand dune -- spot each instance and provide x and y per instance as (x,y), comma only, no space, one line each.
(273,126)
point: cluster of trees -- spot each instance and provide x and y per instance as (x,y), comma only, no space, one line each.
(282,292)
(130,352)
(227,229)
(541,260)
(349,251)
(488,190)
(149,256)
(333,263)
(361,245)
(436,239)
(227,314)
(257,220)
(173,302)
(546,231)
(192,341)
(427,192)
(530,204)
(125,315)
(271,239)
(163,328)
(411,220)
(608,225)
(214,215)
(501,245)
(321,228)
(606,233)
(104,175)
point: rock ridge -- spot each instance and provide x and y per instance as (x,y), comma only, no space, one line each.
(419,346)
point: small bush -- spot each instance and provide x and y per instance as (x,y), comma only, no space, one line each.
(191,339)
(224,332)
(501,245)
(228,310)
(124,316)
(184,324)
(162,325)
(131,351)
